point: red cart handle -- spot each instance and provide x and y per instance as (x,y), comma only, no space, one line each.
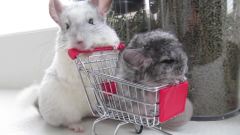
(73,52)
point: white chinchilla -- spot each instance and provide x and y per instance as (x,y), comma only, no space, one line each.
(60,98)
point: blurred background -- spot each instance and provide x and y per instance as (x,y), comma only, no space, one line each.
(209,31)
(27,36)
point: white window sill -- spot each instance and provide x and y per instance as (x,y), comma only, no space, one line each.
(26,121)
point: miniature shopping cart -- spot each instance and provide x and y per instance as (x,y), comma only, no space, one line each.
(119,99)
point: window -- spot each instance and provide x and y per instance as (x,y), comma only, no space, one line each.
(24,15)
(229,6)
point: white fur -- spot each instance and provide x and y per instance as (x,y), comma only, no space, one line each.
(62,99)
(77,15)
(28,96)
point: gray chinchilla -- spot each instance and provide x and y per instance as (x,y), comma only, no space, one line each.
(155,58)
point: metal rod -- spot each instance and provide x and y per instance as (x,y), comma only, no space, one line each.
(160,130)
(118,126)
(95,122)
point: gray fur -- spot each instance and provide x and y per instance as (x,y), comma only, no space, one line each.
(155,58)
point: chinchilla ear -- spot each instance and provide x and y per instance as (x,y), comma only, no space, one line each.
(136,59)
(55,9)
(103,6)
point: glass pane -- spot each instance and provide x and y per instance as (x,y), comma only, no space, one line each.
(210,33)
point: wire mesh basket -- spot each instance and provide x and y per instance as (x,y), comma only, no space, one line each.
(122,100)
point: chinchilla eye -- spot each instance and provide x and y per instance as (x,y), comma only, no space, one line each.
(146,47)
(67,25)
(167,61)
(90,21)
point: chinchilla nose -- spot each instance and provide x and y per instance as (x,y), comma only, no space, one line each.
(80,42)
(79,38)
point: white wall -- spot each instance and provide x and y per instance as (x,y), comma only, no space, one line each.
(24,56)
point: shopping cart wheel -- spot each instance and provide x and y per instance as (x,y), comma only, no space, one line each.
(138,129)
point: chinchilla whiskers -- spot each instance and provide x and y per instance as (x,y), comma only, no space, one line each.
(96,29)
(61,46)
(99,28)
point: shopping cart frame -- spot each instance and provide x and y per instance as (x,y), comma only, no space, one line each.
(106,109)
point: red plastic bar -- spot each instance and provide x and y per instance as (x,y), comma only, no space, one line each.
(172,101)
(73,52)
